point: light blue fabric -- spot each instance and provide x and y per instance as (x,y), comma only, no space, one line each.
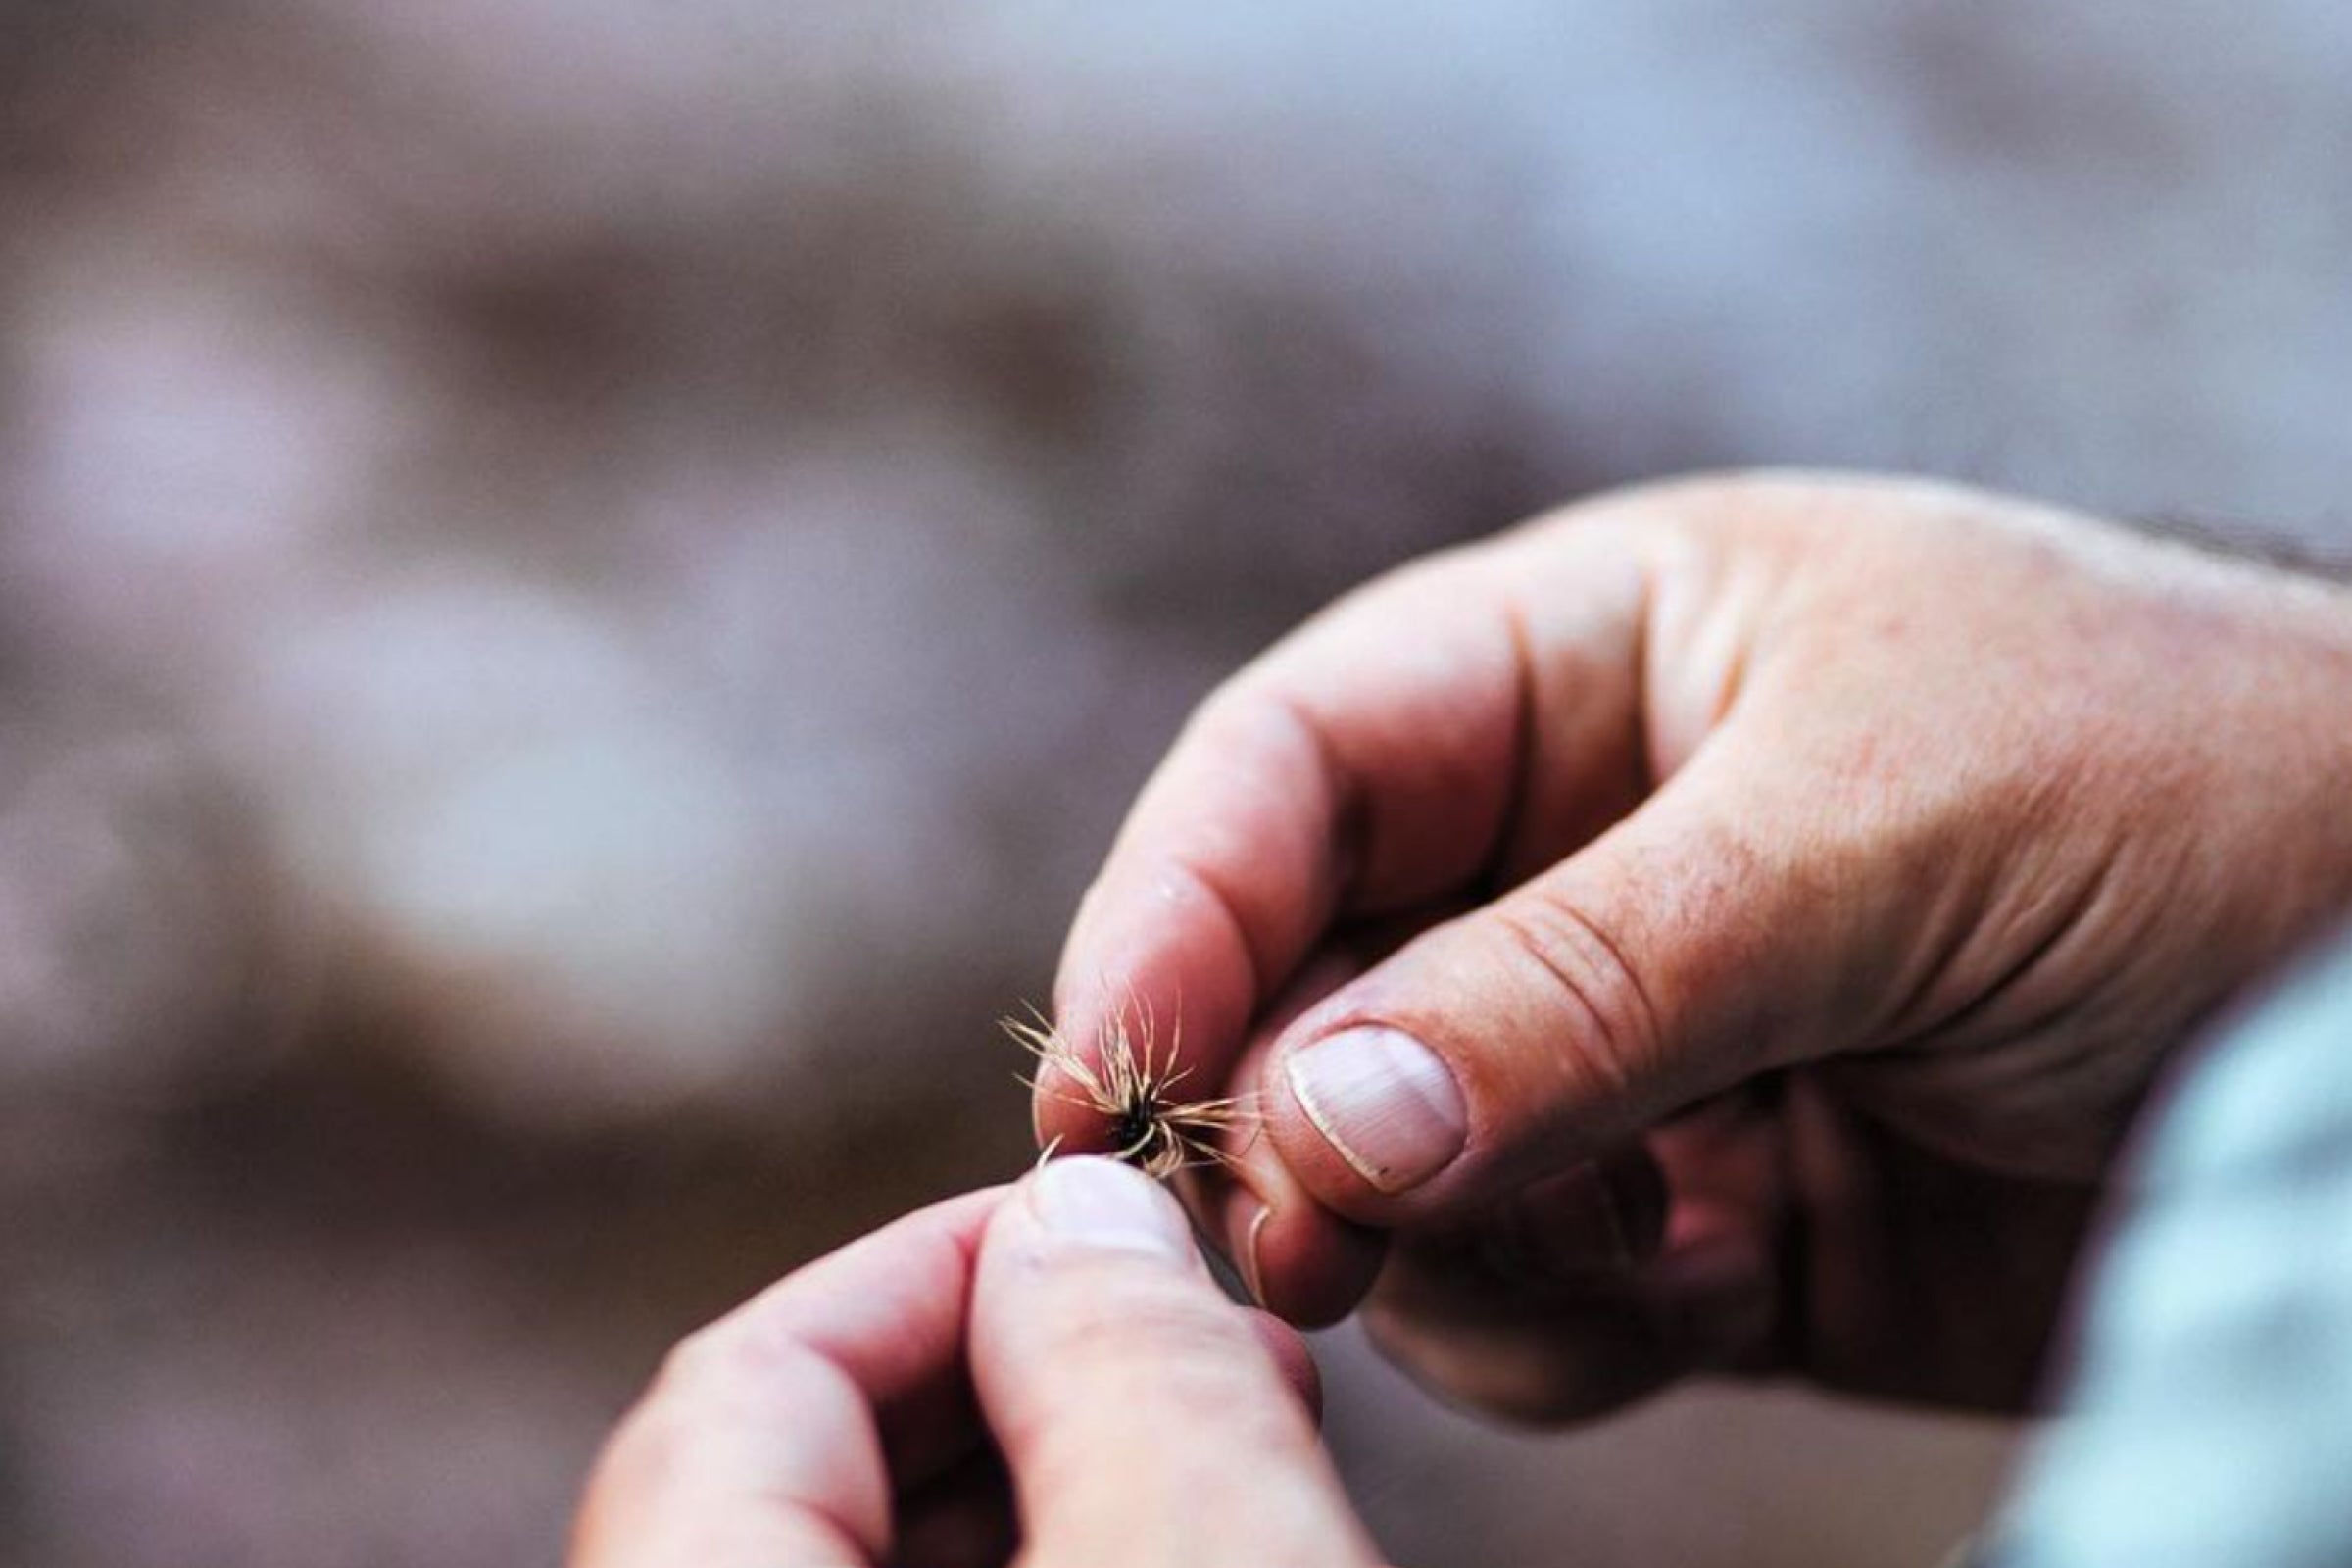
(2208,1422)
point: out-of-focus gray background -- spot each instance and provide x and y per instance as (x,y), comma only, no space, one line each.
(582,584)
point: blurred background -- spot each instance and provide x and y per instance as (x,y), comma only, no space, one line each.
(583,584)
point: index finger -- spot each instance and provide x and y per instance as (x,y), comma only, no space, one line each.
(1384,754)
(763,1441)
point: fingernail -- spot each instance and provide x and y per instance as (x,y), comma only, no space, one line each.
(1100,1202)
(1254,1272)
(1384,1102)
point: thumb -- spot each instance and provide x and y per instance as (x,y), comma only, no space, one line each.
(1142,1415)
(1704,939)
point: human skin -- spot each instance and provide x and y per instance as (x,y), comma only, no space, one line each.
(1728,924)
(889,1403)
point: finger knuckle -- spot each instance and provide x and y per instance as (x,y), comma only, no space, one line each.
(700,1357)
(715,1363)
(1148,1330)
(1178,1358)
(1606,1009)
(644,1450)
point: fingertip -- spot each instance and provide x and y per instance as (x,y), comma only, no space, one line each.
(1086,1204)
(1060,1120)
(1177,1015)
(1303,1264)
(1085,1346)
(1159,955)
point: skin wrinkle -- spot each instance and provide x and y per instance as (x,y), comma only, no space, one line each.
(967,1248)
(1347,814)
(1896,728)
(1701,883)
(1571,780)
(1245,706)
(1694,677)
(871,1532)
(1372,862)
(1955,890)
(1717,933)
(2000,992)
(1538,923)
(1642,743)
(1512,828)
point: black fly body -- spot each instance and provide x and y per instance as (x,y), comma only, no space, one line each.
(1133,1087)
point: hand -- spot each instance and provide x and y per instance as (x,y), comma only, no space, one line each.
(1728,924)
(1060,1346)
